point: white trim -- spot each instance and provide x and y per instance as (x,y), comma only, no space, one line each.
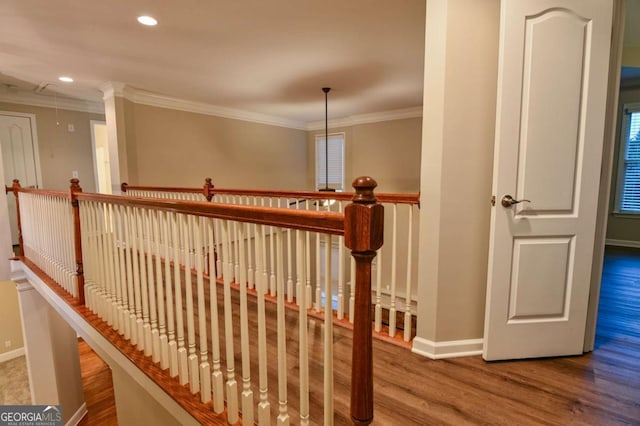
(92,124)
(21,274)
(153,99)
(78,415)
(142,97)
(8,356)
(28,98)
(449,349)
(34,139)
(376,117)
(622,243)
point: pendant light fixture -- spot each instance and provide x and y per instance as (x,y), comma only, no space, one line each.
(326,141)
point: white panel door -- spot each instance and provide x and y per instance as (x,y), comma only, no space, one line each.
(554,59)
(18,158)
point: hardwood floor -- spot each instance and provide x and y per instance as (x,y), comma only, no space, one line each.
(599,388)
(98,388)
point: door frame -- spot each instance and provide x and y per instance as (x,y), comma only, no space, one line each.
(92,123)
(34,138)
(611,118)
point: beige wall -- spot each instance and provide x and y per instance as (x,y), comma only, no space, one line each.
(177,148)
(622,227)
(61,151)
(388,151)
(10,326)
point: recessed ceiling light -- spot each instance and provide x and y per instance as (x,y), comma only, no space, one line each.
(147,20)
(66,79)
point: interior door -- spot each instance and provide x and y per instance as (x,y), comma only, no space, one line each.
(18,158)
(554,58)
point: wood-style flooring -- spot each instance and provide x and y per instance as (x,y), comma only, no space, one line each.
(599,388)
(98,388)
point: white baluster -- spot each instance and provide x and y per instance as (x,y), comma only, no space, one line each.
(130,278)
(137,267)
(328,338)
(162,349)
(143,255)
(272,258)
(172,345)
(303,350)
(217,378)
(232,385)
(307,275)
(283,414)
(112,259)
(205,368)
(124,302)
(183,366)
(394,264)
(194,376)
(378,308)
(341,271)
(247,393)
(407,308)
(154,335)
(264,407)
(318,269)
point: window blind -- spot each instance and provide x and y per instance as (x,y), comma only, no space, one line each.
(333,175)
(630,194)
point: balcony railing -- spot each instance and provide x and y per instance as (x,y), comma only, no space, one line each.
(202,288)
(394,291)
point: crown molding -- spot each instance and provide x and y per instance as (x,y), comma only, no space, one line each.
(376,117)
(152,99)
(138,96)
(28,98)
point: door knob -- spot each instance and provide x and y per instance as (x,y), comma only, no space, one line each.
(508,201)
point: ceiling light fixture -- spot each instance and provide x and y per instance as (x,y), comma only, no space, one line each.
(147,20)
(66,79)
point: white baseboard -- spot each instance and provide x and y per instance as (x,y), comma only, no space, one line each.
(11,354)
(449,349)
(78,415)
(622,243)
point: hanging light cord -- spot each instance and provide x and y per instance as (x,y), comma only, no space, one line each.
(326,137)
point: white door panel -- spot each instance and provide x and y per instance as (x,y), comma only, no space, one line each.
(553,69)
(18,157)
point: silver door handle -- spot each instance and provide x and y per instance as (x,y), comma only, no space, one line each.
(508,201)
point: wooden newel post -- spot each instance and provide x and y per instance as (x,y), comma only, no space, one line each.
(207,189)
(74,189)
(364,223)
(123,187)
(15,187)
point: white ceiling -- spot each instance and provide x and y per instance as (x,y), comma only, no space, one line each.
(261,56)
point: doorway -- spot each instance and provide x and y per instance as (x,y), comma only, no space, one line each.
(101,163)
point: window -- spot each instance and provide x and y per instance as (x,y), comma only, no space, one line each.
(628,187)
(333,175)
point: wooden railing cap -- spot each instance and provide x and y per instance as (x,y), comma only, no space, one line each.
(364,186)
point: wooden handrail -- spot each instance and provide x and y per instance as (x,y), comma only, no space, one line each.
(46,192)
(124,187)
(314,221)
(209,191)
